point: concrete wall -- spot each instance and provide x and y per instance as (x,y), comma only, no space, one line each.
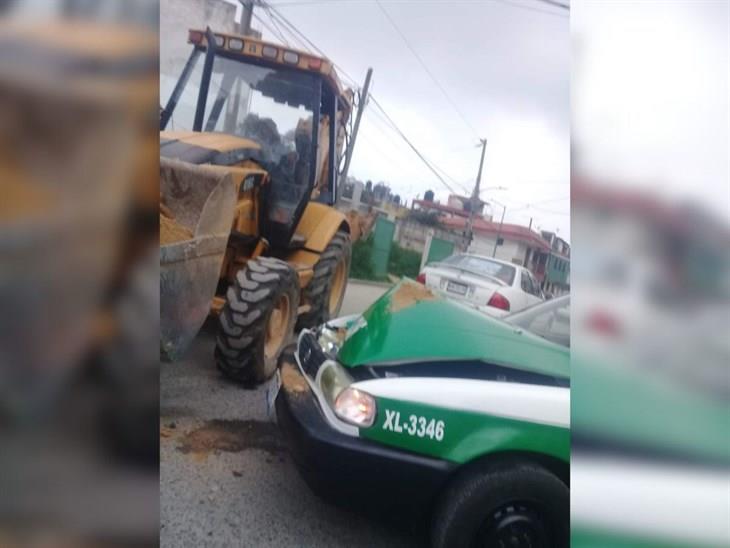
(511,250)
(176,17)
(412,235)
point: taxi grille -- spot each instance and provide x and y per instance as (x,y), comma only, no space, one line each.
(311,356)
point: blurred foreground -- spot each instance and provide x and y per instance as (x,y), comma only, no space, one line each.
(79,380)
(651,275)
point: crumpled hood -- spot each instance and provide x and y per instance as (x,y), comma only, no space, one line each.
(410,323)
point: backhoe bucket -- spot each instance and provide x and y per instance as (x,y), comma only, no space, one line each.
(202,202)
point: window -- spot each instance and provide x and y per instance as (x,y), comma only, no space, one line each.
(528,284)
(535,286)
(550,320)
(525,283)
(483,266)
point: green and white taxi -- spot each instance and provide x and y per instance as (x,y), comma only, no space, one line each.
(425,406)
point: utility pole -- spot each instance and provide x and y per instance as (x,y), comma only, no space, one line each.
(474,201)
(356,127)
(244,27)
(232,112)
(499,231)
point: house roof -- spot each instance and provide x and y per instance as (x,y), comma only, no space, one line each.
(441,207)
(508,231)
(686,221)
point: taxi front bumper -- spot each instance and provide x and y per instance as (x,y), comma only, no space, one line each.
(348,470)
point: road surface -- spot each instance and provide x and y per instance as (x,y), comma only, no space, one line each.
(225,475)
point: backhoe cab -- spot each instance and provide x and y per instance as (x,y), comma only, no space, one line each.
(270,122)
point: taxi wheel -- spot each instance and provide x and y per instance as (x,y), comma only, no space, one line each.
(518,504)
(257,320)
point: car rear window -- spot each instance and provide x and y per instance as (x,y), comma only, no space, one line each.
(478,265)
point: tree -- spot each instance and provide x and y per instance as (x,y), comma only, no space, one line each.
(396,199)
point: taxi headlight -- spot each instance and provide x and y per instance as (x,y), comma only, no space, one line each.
(356,407)
(332,380)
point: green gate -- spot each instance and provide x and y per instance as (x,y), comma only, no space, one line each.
(382,242)
(439,250)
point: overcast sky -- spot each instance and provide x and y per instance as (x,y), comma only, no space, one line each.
(506,67)
(651,97)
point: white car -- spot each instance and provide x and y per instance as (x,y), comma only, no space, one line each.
(495,287)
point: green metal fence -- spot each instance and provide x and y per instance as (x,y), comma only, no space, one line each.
(382,242)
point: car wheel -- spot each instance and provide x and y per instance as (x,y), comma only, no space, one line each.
(508,504)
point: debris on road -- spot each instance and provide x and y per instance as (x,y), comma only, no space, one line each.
(231,436)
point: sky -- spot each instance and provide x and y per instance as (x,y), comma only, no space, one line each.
(651,101)
(505,68)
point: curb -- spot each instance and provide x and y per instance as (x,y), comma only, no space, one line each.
(370,283)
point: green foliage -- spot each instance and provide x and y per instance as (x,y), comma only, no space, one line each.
(428,218)
(403,262)
(361,265)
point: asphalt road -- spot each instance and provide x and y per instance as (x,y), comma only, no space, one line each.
(226,478)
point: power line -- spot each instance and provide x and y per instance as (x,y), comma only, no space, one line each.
(389,125)
(556,4)
(276,25)
(293,29)
(425,68)
(272,31)
(411,145)
(293,4)
(531,8)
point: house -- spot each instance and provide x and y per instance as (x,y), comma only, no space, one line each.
(557,266)
(509,242)
(457,206)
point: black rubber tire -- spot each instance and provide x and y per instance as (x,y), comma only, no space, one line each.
(239,351)
(316,294)
(477,492)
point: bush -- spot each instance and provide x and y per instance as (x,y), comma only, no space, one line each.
(361,266)
(404,262)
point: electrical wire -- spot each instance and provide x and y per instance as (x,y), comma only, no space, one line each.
(276,26)
(290,4)
(271,30)
(293,29)
(556,4)
(426,69)
(411,145)
(531,8)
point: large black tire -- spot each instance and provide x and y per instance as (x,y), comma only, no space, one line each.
(317,293)
(509,504)
(242,334)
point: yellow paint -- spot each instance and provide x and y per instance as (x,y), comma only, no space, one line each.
(216,305)
(245,217)
(302,259)
(319,224)
(221,142)
(253,47)
(305,276)
(261,247)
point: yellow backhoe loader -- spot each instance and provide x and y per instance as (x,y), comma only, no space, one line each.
(250,144)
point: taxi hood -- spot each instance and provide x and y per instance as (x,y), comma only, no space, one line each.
(412,323)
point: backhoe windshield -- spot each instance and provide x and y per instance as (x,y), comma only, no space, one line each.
(271,106)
